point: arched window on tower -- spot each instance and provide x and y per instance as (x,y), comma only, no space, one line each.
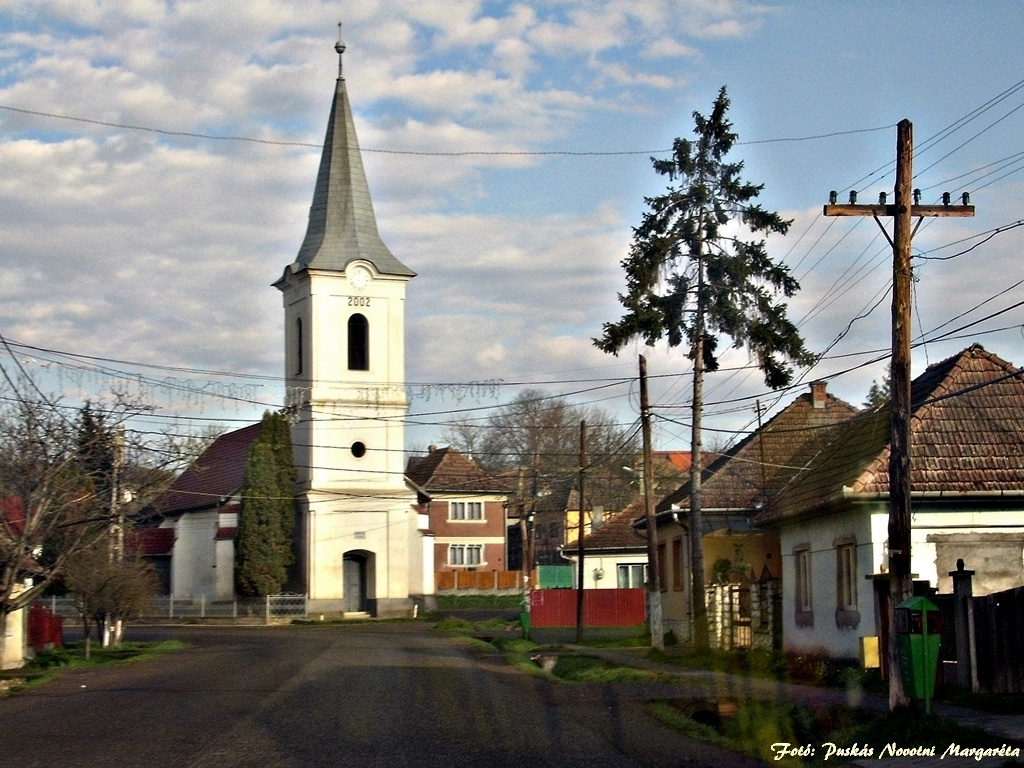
(299,361)
(358,343)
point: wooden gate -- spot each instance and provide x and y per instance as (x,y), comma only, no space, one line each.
(999,637)
(998,641)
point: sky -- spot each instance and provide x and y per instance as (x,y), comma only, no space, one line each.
(157,162)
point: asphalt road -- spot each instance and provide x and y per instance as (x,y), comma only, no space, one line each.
(361,695)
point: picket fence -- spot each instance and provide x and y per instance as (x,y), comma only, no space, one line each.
(287,606)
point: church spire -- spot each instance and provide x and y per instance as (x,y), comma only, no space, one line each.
(342,226)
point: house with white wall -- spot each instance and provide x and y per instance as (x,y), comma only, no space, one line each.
(192,546)
(967,502)
(614,553)
(735,487)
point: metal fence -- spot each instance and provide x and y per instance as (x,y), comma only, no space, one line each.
(266,608)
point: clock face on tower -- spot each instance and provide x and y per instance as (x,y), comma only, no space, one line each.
(358,277)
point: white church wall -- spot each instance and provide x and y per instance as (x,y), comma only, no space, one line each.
(193,571)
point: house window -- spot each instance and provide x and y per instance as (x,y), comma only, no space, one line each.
(631,576)
(847,615)
(846,567)
(678,565)
(358,343)
(662,570)
(299,362)
(465,554)
(804,605)
(465,510)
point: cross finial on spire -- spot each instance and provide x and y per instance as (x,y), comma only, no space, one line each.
(340,48)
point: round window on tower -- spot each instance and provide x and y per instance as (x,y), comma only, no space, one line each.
(358,449)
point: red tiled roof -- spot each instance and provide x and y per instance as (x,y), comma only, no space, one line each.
(966,436)
(445,469)
(226,533)
(216,474)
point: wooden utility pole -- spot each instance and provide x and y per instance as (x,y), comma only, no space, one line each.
(907,206)
(653,570)
(698,594)
(580,568)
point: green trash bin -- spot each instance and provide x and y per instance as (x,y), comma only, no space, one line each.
(918,633)
(524,617)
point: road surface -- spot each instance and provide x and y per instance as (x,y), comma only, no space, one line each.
(387,694)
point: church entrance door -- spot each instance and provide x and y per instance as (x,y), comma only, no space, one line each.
(355,583)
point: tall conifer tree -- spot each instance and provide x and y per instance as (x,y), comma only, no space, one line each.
(691,279)
(264,546)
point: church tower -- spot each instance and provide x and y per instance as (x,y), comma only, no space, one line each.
(360,541)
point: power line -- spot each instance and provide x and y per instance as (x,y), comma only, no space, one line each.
(417,153)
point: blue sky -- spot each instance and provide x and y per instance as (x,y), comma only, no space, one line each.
(156,251)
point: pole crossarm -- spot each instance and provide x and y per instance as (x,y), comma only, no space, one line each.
(916,211)
(905,208)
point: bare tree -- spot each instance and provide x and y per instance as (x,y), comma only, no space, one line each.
(54,503)
(538,434)
(107,590)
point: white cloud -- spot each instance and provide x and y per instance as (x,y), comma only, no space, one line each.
(144,247)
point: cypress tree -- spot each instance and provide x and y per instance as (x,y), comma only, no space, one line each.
(267,516)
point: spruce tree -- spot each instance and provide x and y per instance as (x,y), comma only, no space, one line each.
(692,279)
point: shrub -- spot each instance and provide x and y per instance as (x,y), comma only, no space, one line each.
(55,657)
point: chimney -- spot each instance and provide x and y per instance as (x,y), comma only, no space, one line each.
(598,517)
(431,449)
(818,393)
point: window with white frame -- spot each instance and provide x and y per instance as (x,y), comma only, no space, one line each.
(465,510)
(630,576)
(802,568)
(846,576)
(847,615)
(465,554)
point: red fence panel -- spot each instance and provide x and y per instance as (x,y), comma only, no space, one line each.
(45,629)
(601,607)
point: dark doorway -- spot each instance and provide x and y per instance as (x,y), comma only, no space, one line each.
(355,583)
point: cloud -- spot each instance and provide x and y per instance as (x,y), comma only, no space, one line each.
(158,249)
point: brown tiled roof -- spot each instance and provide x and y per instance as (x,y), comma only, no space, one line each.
(765,460)
(966,436)
(215,475)
(447,470)
(616,533)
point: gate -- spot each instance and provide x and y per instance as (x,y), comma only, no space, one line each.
(729,616)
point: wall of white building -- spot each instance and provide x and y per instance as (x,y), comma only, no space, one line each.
(992,543)
(193,567)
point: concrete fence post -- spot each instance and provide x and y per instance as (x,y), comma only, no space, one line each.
(963,611)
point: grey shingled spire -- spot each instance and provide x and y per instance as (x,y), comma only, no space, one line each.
(342,226)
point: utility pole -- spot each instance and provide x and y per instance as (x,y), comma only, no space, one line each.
(907,206)
(580,569)
(653,570)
